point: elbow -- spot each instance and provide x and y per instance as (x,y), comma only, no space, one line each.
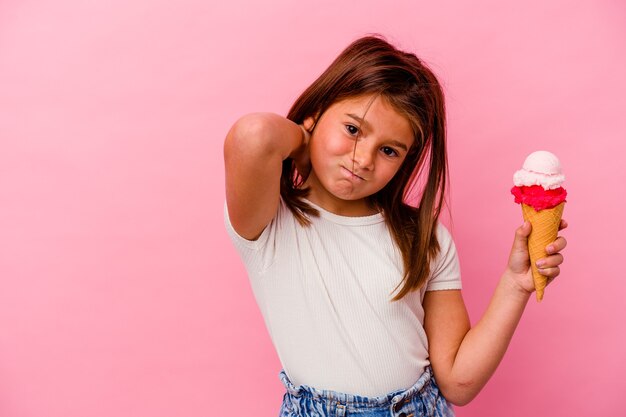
(460,393)
(250,134)
(459,401)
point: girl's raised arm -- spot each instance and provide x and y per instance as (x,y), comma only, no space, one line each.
(254,150)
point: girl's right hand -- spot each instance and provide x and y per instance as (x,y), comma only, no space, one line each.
(301,155)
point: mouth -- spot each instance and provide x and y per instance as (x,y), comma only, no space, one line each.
(351,174)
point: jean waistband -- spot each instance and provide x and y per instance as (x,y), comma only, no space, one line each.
(358,401)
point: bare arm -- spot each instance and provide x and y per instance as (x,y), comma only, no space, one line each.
(254,150)
(464,359)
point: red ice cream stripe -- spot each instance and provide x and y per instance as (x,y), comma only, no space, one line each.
(538,198)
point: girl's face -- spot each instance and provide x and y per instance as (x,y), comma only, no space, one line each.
(357,146)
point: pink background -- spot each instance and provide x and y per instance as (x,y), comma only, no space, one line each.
(120,292)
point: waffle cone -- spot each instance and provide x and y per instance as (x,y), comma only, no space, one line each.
(545,227)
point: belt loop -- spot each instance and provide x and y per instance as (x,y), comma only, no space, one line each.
(341,410)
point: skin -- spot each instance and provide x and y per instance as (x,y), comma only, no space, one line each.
(464,358)
(341,174)
(353,157)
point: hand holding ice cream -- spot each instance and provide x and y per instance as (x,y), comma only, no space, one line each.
(538,189)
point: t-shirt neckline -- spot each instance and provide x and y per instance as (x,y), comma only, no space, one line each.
(347,220)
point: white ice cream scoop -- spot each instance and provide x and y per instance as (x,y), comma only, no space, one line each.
(540,168)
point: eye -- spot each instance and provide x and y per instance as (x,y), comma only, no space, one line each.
(352,130)
(389,151)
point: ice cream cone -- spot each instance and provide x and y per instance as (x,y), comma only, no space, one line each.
(545,227)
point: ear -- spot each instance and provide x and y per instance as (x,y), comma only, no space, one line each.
(309,123)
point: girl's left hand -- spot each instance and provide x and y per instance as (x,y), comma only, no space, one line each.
(519,260)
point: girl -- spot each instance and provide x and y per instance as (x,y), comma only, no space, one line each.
(361,291)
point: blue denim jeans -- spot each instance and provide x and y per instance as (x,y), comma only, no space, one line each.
(422,399)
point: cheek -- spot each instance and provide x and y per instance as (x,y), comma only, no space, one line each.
(331,146)
(342,146)
(388,172)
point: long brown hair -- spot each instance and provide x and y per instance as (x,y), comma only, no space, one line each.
(370,65)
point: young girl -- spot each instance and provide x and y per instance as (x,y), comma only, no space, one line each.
(360,291)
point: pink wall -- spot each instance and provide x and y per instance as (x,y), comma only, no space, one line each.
(120,292)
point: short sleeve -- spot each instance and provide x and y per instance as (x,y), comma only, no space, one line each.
(257,254)
(240,242)
(446,271)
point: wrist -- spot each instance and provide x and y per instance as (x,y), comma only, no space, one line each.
(298,141)
(300,154)
(513,287)
(306,135)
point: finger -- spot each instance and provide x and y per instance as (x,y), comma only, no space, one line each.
(557,246)
(305,130)
(550,261)
(563,224)
(520,242)
(552,272)
(309,124)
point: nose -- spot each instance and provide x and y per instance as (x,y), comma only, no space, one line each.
(363,156)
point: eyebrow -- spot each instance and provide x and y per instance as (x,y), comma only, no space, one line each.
(366,124)
(358,119)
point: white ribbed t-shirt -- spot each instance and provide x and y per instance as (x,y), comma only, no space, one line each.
(325,293)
